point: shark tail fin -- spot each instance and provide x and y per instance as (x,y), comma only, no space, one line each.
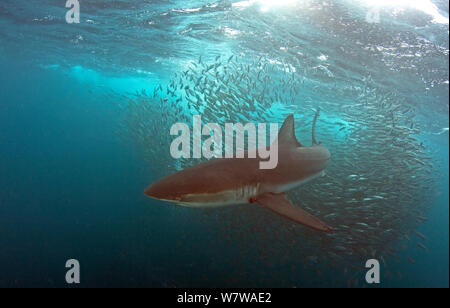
(282,206)
(287,132)
(314,141)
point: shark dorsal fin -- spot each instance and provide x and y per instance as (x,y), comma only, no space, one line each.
(286,135)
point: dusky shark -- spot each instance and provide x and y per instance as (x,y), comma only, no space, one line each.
(229,181)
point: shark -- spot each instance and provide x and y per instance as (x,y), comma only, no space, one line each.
(239,181)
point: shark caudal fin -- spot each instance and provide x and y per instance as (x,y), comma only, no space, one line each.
(282,206)
(314,141)
(286,135)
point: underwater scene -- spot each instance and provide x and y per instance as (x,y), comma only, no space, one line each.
(98,188)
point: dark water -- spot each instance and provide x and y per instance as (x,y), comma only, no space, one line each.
(71,185)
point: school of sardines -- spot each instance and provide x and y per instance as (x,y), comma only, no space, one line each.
(376,189)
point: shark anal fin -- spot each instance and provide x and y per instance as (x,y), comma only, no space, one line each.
(280,205)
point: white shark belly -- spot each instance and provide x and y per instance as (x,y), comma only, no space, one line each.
(240,195)
(211,204)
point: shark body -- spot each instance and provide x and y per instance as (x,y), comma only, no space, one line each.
(229,181)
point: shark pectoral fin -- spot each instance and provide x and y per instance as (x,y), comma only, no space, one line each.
(280,205)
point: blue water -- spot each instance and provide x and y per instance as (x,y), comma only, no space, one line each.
(72,187)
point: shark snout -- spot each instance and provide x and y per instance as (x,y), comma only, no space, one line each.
(149,191)
(161,191)
(154,191)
